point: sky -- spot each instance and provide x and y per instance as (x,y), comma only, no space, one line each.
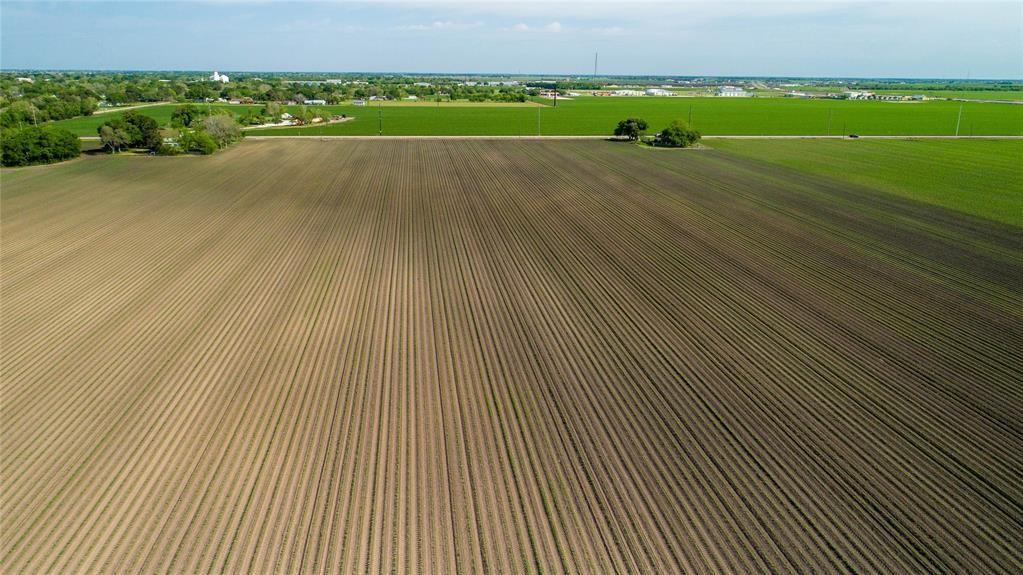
(852,38)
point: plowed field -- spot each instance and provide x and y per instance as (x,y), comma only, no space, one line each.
(501,357)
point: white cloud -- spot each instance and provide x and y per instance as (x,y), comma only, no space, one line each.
(319,25)
(609,31)
(439,25)
(554,27)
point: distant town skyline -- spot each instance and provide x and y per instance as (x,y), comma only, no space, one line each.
(852,39)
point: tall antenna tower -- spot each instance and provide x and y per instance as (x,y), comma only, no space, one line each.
(595,65)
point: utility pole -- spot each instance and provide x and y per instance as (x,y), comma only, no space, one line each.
(959,118)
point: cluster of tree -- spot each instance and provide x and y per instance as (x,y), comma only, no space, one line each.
(130,130)
(678,134)
(205,135)
(55,96)
(45,108)
(185,116)
(37,145)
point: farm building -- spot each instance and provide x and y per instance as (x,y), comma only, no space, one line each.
(358,102)
(626,93)
(218,77)
(854,95)
(659,92)
(732,92)
(316,102)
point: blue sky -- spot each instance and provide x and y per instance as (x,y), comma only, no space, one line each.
(803,38)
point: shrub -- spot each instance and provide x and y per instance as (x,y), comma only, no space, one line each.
(37,145)
(678,134)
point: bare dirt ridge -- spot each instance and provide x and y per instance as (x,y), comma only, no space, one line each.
(501,357)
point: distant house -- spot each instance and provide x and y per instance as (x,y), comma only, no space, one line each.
(315,102)
(732,92)
(218,77)
(422,84)
(659,92)
(854,95)
(359,102)
(412,98)
(286,116)
(552,94)
(26,80)
(626,93)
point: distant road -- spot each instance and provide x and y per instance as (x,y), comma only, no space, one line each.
(123,108)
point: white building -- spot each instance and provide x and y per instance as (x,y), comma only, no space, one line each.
(218,77)
(315,102)
(26,80)
(855,95)
(732,92)
(626,93)
(659,92)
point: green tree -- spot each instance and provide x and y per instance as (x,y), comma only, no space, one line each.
(19,114)
(149,135)
(223,129)
(678,134)
(197,141)
(114,139)
(37,145)
(183,116)
(272,110)
(131,130)
(631,128)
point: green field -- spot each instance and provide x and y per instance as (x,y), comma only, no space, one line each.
(717,116)
(977,177)
(597,116)
(87,125)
